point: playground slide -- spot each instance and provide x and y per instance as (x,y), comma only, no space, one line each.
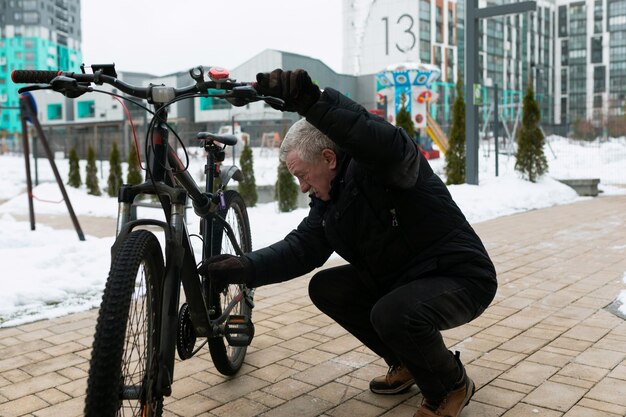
(436,134)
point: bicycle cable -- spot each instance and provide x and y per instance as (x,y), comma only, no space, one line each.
(132,127)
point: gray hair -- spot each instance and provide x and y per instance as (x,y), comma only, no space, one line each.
(307,140)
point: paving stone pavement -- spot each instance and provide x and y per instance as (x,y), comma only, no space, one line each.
(546,347)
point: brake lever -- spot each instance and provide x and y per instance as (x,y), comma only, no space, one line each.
(275,102)
(69,87)
(241,95)
(34,87)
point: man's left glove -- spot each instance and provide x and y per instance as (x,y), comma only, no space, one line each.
(227,269)
(295,87)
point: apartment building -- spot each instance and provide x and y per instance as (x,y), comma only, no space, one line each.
(572,51)
(35,34)
(590,68)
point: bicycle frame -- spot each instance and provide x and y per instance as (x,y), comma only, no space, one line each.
(172,187)
(180,263)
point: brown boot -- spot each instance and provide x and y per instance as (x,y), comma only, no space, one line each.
(452,404)
(397,380)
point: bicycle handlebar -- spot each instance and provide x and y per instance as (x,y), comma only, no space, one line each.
(73,84)
(30,77)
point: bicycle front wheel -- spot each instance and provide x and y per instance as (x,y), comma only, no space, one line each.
(122,367)
(228,359)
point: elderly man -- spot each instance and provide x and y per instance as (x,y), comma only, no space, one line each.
(415,265)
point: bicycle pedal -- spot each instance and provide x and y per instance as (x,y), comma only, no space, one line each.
(239,330)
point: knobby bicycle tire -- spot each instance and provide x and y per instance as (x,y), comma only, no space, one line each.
(228,359)
(126,332)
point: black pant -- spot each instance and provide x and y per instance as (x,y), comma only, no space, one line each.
(403,325)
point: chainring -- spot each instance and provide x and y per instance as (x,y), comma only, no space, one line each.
(186,334)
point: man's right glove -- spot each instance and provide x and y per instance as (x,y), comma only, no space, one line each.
(294,87)
(226,269)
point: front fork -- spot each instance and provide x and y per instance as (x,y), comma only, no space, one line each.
(179,262)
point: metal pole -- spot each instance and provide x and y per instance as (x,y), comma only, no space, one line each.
(471,111)
(35,153)
(497,122)
(472,16)
(232,126)
(29,183)
(95,138)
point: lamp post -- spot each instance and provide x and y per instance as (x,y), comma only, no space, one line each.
(232,127)
(536,71)
(472,15)
(103,115)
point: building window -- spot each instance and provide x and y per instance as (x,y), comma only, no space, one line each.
(425,30)
(598,16)
(562,21)
(563,80)
(564,52)
(425,51)
(31,17)
(439,24)
(439,56)
(596,50)
(86,109)
(451,27)
(597,101)
(55,111)
(599,76)
(450,64)
(425,10)
(210,103)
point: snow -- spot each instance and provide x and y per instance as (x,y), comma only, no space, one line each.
(49,272)
(622,298)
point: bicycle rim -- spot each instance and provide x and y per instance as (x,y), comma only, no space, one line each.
(228,359)
(123,358)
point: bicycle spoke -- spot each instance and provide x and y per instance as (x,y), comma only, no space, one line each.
(135,360)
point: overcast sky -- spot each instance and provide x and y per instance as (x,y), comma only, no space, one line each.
(164,36)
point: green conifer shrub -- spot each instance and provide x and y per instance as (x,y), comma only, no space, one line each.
(74,179)
(114,182)
(247,186)
(134,172)
(286,191)
(530,161)
(455,155)
(403,118)
(91,179)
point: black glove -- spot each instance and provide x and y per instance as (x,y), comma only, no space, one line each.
(226,269)
(294,87)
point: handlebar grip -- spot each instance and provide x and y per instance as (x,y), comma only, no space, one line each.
(33,76)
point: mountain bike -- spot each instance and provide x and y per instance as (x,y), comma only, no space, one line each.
(141,324)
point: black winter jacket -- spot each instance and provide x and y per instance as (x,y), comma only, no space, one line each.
(389,215)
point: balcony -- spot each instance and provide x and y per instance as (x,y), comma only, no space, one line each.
(61,15)
(62,27)
(62,4)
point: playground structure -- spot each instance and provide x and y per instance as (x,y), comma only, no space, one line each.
(269,142)
(235,129)
(436,134)
(28,114)
(413,82)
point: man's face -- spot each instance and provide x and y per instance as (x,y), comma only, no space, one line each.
(314,177)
